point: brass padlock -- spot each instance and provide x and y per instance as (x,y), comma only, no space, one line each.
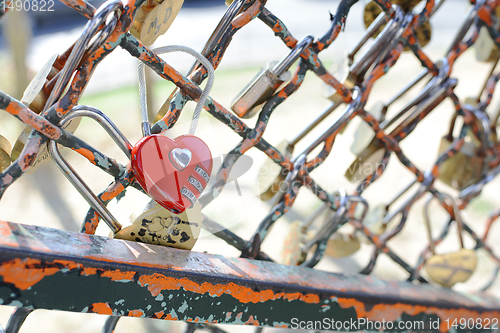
(154,18)
(364,133)
(366,162)
(271,175)
(291,253)
(5,149)
(340,71)
(486,49)
(466,167)
(423,32)
(341,245)
(451,268)
(35,97)
(159,226)
(265,84)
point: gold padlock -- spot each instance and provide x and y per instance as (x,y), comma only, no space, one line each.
(340,71)
(35,97)
(154,18)
(5,149)
(364,133)
(466,167)
(451,268)
(270,176)
(372,11)
(486,49)
(161,227)
(366,162)
(291,253)
(341,245)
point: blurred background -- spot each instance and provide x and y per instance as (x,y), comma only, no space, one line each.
(113,89)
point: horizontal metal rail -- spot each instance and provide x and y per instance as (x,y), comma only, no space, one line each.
(121,278)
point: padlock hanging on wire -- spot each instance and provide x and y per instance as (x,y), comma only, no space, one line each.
(267,81)
(453,267)
(174,172)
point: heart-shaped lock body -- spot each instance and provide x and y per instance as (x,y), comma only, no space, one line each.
(159,226)
(173,172)
(451,268)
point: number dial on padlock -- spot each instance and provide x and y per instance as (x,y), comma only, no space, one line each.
(423,32)
(161,227)
(154,18)
(173,172)
(5,149)
(451,268)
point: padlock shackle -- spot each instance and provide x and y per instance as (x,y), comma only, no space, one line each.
(402,22)
(284,64)
(72,175)
(368,58)
(351,108)
(331,224)
(432,88)
(457,218)
(314,124)
(379,22)
(484,121)
(82,45)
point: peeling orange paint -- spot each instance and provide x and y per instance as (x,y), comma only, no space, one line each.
(102,308)
(136,313)
(16,272)
(157,283)
(392,312)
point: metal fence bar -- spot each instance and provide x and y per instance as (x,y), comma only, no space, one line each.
(120,278)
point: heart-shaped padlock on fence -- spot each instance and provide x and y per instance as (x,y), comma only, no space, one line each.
(451,268)
(161,227)
(174,172)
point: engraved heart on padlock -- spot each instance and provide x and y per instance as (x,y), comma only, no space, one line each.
(451,268)
(161,227)
(173,172)
(180,158)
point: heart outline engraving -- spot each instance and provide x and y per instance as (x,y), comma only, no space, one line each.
(162,180)
(180,158)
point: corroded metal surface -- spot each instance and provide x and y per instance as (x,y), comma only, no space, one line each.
(116,277)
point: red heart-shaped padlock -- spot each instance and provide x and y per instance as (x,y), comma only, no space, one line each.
(173,172)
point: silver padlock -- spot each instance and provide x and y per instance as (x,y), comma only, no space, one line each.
(269,79)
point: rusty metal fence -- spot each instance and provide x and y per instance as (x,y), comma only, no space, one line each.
(121,278)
